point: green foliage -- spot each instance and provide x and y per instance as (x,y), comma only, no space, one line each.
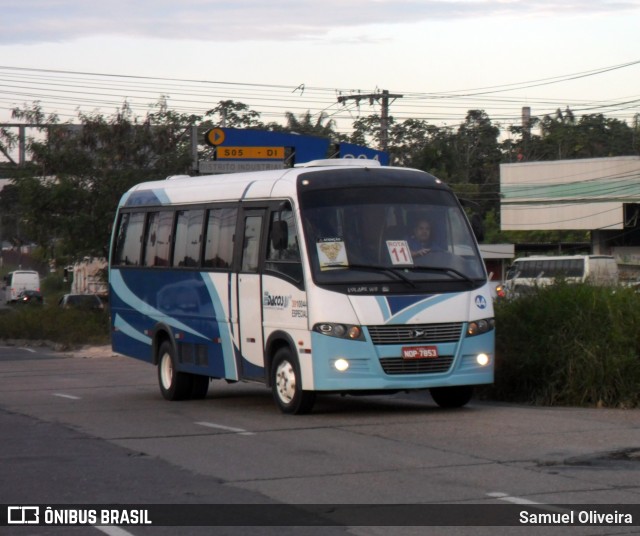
(66,327)
(231,114)
(311,125)
(53,286)
(79,172)
(563,136)
(569,345)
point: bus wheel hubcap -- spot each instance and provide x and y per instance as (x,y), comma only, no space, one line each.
(286,382)
(167,371)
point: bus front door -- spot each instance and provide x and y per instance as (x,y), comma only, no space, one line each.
(249,298)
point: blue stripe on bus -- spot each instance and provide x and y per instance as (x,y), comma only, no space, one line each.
(157,196)
(127,329)
(401,309)
(405,316)
(383,304)
(401,303)
(123,292)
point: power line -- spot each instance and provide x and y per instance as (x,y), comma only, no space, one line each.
(85,89)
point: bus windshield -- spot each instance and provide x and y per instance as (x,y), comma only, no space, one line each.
(404,238)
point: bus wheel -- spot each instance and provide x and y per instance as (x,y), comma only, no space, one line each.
(199,386)
(452,397)
(286,385)
(174,385)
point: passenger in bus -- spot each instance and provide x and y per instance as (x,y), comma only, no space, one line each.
(421,240)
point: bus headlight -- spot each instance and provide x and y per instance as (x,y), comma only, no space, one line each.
(478,327)
(342,331)
(482,359)
(341,364)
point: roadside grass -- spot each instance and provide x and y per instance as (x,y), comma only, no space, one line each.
(51,324)
(569,345)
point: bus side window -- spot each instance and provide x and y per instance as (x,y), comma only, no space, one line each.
(129,239)
(158,238)
(188,238)
(219,235)
(251,244)
(283,253)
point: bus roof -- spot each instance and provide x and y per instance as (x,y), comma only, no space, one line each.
(339,162)
(245,186)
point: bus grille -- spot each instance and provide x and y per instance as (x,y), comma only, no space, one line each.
(416,333)
(397,365)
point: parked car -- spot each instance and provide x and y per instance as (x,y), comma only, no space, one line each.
(29,297)
(81,301)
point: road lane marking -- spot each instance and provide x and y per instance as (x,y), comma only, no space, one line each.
(70,397)
(508,498)
(501,496)
(239,431)
(18,348)
(112,531)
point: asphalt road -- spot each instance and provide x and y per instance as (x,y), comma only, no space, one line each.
(93,428)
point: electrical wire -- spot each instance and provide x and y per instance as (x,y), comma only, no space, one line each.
(70,91)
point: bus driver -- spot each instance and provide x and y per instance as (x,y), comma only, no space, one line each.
(420,242)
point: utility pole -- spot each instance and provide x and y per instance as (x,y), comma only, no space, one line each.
(382,97)
(22,144)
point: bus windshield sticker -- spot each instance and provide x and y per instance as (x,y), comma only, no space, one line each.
(332,253)
(399,252)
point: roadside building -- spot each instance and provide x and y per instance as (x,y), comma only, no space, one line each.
(598,195)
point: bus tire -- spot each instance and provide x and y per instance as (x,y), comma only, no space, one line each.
(452,397)
(199,386)
(286,385)
(174,385)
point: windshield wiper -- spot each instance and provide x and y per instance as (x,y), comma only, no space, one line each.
(385,269)
(437,269)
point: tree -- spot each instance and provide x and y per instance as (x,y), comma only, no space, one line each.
(597,136)
(562,136)
(366,130)
(309,124)
(232,114)
(79,172)
(478,148)
(438,155)
(407,140)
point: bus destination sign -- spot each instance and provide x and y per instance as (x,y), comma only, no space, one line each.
(249,153)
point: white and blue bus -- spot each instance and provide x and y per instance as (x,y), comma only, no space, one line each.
(302,279)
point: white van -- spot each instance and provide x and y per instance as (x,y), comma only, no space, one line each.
(538,271)
(15,282)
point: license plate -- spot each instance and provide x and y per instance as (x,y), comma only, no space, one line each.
(419,352)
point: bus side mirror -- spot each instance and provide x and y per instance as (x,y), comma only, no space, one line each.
(279,235)
(478,227)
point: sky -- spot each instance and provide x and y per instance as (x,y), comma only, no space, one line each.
(443,56)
